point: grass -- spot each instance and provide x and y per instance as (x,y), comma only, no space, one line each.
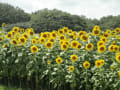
(8,88)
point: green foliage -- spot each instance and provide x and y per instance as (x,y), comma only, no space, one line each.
(46,20)
(21,25)
(10,14)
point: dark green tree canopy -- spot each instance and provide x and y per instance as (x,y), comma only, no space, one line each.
(10,14)
(46,20)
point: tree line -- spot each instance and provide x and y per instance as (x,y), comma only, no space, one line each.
(48,20)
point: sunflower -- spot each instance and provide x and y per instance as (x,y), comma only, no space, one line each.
(15,29)
(96,30)
(98,63)
(65,30)
(48,62)
(84,38)
(53,34)
(118,58)
(80,33)
(116,48)
(119,73)
(79,46)
(111,48)
(108,31)
(101,49)
(25,35)
(31,33)
(102,62)
(42,40)
(51,39)
(117,30)
(89,46)
(22,30)
(112,67)
(70,31)
(22,40)
(104,39)
(34,49)
(62,37)
(71,68)
(74,58)
(64,46)
(72,36)
(45,35)
(3,24)
(48,45)
(100,43)
(59,60)
(105,34)
(5,45)
(1,39)
(74,44)
(86,64)
(9,35)
(14,42)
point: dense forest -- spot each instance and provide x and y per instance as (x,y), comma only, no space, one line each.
(48,20)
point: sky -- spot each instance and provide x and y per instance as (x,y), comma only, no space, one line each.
(89,8)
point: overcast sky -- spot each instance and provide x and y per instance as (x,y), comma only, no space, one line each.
(89,8)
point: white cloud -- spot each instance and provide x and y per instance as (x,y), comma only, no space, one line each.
(89,8)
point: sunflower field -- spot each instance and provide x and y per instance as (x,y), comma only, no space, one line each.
(60,60)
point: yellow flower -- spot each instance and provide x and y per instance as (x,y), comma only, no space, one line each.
(9,35)
(118,58)
(116,48)
(96,30)
(65,30)
(62,37)
(102,62)
(105,34)
(42,40)
(25,35)
(100,43)
(51,40)
(79,46)
(84,38)
(86,64)
(111,48)
(117,30)
(54,34)
(74,58)
(60,31)
(14,41)
(34,41)
(48,62)
(64,46)
(34,49)
(74,44)
(48,45)
(15,29)
(72,36)
(71,68)
(22,40)
(22,30)
(81,33)
(5,45)
(45,35)
(31,33)
(101,49)
(1,39)
(89,46)
(59,60)
(112,67)
(119,73)
(3,24)
(104,39)
(98,63)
